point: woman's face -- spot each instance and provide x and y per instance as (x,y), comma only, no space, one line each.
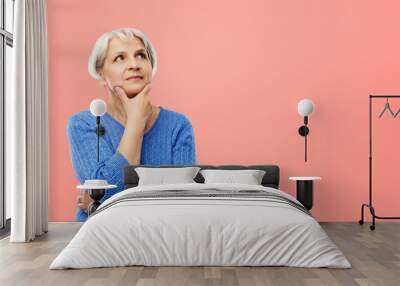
(125,59)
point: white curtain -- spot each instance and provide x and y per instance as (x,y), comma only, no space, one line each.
(27,124)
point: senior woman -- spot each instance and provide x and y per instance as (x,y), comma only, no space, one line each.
(137,132)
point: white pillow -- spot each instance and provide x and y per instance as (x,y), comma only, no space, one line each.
(249,177)
(160,176)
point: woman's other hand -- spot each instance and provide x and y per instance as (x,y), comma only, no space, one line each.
(84,200)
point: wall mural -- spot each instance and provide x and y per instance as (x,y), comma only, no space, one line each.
(134,129)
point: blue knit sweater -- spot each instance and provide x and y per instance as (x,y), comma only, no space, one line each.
(169,141)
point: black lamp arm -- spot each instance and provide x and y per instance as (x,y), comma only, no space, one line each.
(100,131)
(303,131)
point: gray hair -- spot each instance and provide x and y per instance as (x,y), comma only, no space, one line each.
(96,58)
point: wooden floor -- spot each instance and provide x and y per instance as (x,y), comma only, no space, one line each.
(374,255)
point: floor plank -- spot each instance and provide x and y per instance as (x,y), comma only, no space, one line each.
(374,255)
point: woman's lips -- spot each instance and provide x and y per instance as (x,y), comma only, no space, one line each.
(135,78)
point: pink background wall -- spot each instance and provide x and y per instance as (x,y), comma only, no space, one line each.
(238,70)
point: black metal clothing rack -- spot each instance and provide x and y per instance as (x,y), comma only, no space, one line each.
(370,205)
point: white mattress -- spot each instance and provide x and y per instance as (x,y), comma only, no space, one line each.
(183,231)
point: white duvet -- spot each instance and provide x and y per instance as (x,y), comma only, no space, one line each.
(200,231)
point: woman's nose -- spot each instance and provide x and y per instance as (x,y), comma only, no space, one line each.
(133,64)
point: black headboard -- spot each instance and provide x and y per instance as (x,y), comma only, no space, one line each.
(270,179)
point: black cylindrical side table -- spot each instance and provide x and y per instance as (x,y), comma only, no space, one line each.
(304,190)
(96,189)
(96,195)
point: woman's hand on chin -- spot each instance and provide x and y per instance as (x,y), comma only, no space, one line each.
(138,109)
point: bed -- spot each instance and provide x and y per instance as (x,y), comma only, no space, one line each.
(201,224)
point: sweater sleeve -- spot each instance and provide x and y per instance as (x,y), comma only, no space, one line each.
(82,140)
(184,149)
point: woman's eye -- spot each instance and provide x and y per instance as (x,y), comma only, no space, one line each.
(143,55)
(120,56)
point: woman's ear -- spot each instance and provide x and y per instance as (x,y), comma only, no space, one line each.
(102,81)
